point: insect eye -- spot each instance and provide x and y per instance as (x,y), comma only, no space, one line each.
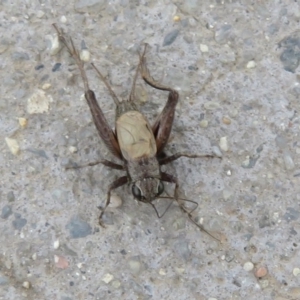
(137,193)
(160,188)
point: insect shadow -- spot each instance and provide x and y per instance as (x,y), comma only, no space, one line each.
(137,144)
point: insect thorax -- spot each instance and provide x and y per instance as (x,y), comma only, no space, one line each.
(143,168)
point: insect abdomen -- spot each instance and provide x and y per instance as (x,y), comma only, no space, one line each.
(135,136)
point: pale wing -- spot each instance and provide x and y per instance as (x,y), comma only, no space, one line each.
(135,136)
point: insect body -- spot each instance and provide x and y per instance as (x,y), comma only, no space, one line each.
(135,142)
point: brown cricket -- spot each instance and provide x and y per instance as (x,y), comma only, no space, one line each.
(134,141)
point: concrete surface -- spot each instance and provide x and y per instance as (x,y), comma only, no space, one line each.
(235,64)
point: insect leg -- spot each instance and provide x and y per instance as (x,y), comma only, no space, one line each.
(119,182)
(163,124)
(104,162)
(132,92)
(111,92)
(166,160)
(103,128)
(170,178)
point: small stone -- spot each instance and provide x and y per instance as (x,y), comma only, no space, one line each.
(209,251)
(226,121)
(56,244)
(216,151)
(248,266)
(78,228)
(19,223)
(176,18)
(162,272)
(38,102)
(73,149)
(296,271)
(251,64)
(264,283)
(26,284)
(211,105)
(115,201)
(123,252)
(40,14)
(203,48)
(179,270)
(38,152)
(55,45)
(63,19)
(6,211)
(203,123)
(276,217)
(22,122)
(20,56)
(56,67)
(224,143)
(290,55)
(10,196)
(34,256)
(261,272)
(85,55)
(107,278)
(46,86)
(39,67)
(61,262)
(246,162)
(227,194)
(170,37)
(135,266)
(12,145)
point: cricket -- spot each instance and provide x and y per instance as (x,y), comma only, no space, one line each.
(138,145)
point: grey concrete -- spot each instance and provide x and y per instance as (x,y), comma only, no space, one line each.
(235,65)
